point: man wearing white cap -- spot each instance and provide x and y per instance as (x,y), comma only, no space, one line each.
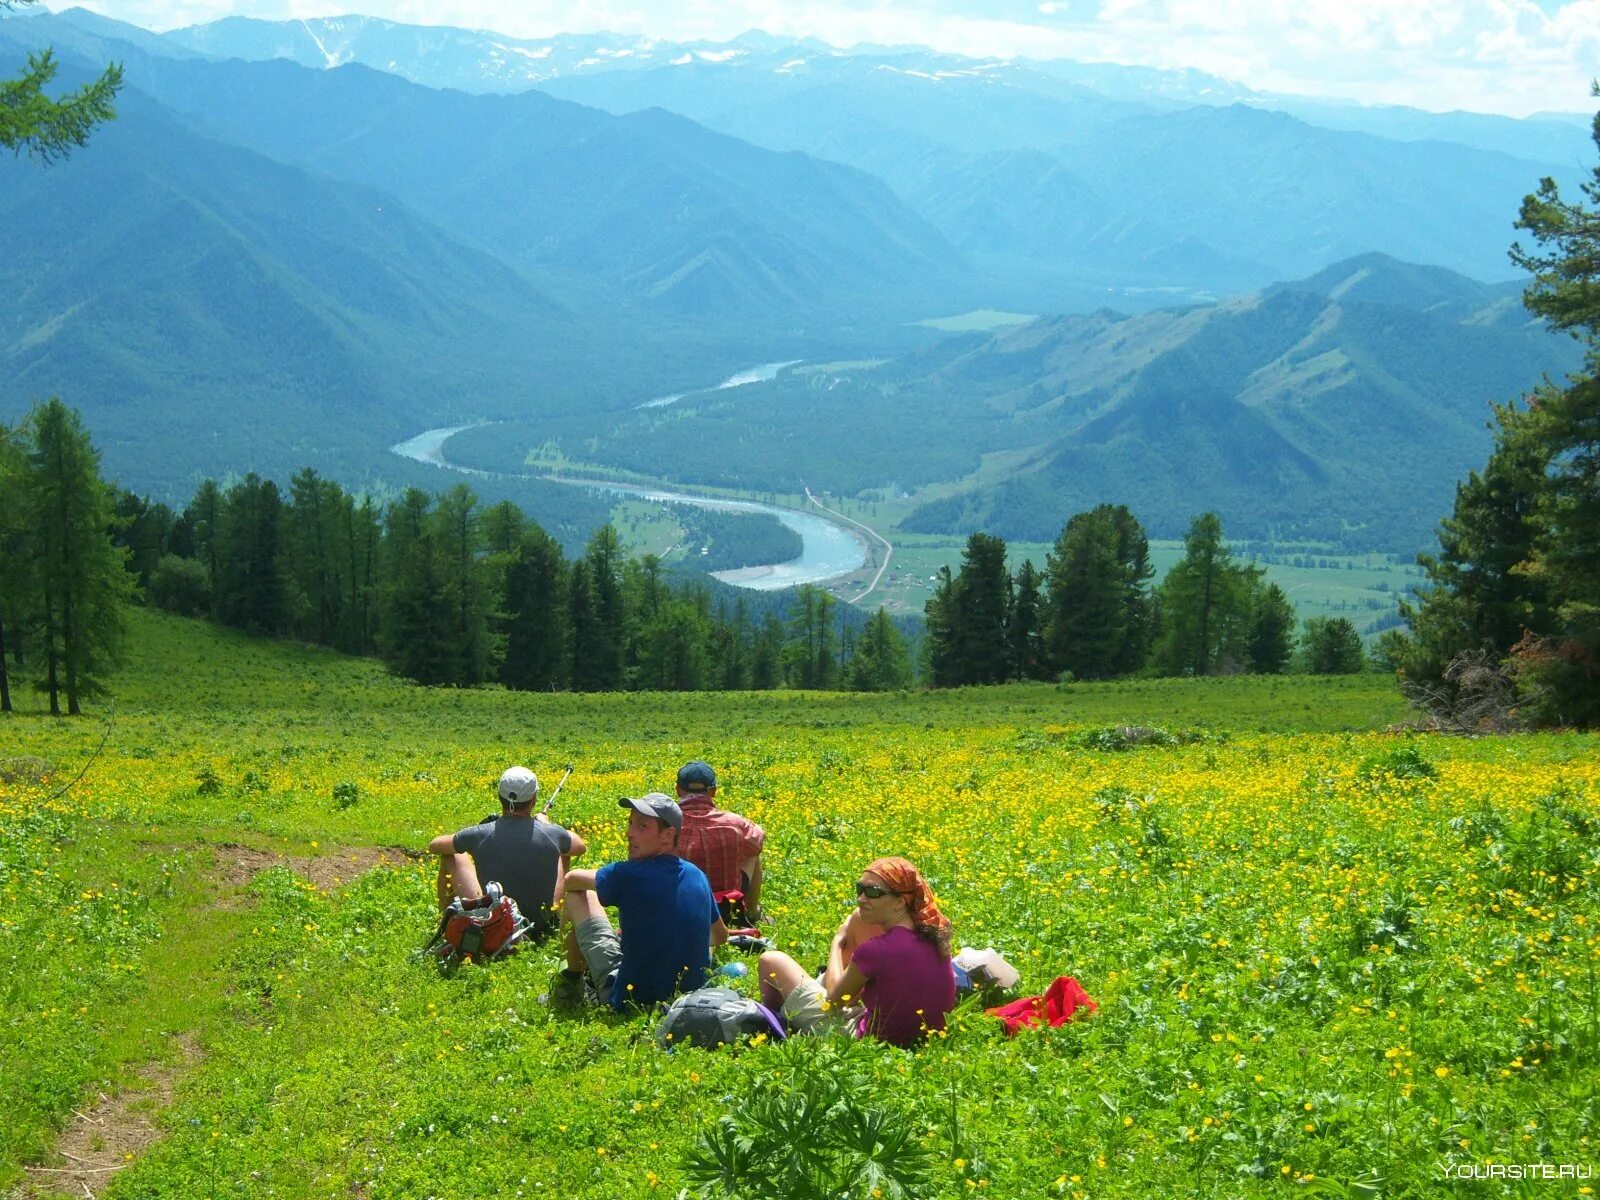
(523,851)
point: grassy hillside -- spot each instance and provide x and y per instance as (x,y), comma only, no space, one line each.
(1318,951)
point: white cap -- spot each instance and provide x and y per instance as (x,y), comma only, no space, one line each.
(518,786)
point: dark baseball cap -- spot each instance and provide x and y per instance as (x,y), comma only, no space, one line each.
(657,805)
(696,776)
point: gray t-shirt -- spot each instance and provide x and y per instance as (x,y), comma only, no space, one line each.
(521,855)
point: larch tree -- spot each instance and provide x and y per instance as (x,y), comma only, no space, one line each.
(1206,600)
(82,576)
(49,129)
(18,566)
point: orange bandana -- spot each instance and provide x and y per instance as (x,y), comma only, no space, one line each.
(907,882)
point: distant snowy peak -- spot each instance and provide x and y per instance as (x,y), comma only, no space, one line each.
(482,61)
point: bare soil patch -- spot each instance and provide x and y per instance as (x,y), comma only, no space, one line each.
(112,1132)
(238,865)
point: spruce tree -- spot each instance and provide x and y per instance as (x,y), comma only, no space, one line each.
(1024,625)
(468,585)
(1332,646)
(537,616)
(940,667)
(981,599)
(608,633)
(419,614)
(1272,624)
(1098,609)
(204,517)
(881,662)
(82,575)
(249,592)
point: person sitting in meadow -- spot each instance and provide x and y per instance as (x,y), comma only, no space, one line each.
(523,851)
(891,957)
(725,845)
(669,920)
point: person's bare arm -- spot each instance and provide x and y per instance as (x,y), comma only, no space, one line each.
(852,932)
(444,844)
(719,934)
(847,987)
(579,881)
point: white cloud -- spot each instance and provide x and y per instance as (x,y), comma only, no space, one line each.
(1497,55)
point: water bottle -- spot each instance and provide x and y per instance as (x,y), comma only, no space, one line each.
(733,970)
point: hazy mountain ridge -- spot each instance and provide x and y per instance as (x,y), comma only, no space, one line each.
(1292,411)
(1356,397)
(667,214)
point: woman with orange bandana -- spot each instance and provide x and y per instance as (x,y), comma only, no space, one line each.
(888,969)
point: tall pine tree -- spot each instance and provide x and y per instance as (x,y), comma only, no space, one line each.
(82,576)
(1206,601)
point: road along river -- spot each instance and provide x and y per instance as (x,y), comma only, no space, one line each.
(830,549)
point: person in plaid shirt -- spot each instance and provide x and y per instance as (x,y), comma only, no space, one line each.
(726,846)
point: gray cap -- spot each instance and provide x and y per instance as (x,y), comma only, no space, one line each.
(518,786)
(657,805)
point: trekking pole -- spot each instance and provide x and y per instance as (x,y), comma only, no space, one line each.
(557,792)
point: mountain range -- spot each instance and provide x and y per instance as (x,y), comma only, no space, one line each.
(351,231)
(1338,408)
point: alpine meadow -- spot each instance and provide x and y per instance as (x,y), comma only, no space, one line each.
(1095,505)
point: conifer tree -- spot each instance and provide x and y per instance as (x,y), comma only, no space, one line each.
(980,602)
(312,562)
(812,653)
(940,667)
(418,610)
(1205,605)
(204,516)
(18,565)
(1097,611)
(82,575)
(766,654)
(1024,625)
(468,648)
(1332,646)
(49,129)
(881,662)
(1271,631)
(608,624)
(537,615)
(249,589)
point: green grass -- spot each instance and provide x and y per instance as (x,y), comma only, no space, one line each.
(1264,912)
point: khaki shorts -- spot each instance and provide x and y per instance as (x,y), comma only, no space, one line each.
(602,952)
(804,1010)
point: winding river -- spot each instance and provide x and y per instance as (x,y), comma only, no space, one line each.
(829,549)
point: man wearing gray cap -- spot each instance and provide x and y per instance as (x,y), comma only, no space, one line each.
(669,920)
(522,851)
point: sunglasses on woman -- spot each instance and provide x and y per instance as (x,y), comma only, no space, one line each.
(874,893)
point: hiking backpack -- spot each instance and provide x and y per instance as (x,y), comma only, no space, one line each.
(715,1016)
(482,929)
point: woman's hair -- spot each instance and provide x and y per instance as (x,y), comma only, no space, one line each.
(907,882)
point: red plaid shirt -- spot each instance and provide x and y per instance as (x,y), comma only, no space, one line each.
(717,841)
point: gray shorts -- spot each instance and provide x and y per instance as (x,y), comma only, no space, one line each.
(602,952)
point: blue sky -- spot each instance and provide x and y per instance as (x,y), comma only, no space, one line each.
(1509,56)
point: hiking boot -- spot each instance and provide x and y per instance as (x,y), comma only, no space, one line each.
(568,990)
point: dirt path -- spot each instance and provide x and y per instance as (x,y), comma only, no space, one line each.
(113,1132)
(109,1132)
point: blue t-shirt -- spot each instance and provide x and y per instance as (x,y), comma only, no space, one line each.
(665,909)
